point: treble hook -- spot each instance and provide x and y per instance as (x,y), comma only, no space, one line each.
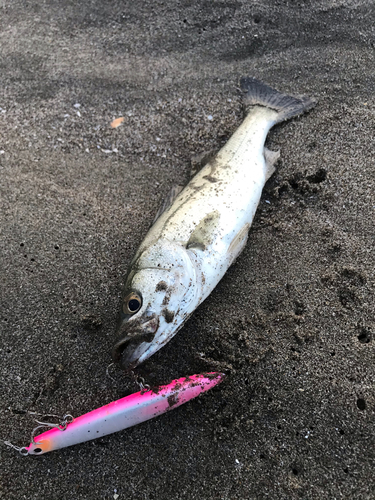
(62,425)
(140,381)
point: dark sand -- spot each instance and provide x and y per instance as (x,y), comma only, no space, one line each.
(292,322)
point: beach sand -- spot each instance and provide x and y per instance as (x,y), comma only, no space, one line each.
(291,323)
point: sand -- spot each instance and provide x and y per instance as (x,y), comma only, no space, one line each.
(292,322)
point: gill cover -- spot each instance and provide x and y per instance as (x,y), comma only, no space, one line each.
(162,281)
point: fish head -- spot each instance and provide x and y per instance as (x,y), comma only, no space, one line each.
(160,293)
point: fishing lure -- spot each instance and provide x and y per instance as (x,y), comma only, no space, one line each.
(120,414)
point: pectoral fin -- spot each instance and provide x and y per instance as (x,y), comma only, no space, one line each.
(205,232)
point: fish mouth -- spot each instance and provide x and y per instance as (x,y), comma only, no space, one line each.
(127,351)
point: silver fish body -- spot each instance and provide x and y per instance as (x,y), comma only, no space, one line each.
(192,244)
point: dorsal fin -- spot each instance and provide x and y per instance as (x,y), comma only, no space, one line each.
(168,201)
(199,161)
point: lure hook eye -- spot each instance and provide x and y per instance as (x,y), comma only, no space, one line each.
(132,303)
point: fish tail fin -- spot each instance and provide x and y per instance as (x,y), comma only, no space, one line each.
(258,93)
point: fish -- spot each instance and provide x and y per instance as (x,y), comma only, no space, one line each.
(201,230)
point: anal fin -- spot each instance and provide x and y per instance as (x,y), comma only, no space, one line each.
(271,158)
(239,241)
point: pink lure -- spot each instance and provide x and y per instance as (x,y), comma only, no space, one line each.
(124,413)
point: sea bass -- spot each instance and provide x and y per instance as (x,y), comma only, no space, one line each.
(199,235)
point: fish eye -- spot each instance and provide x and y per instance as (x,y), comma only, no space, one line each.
(132,303)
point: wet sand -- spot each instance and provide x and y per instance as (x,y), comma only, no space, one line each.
(292,322)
